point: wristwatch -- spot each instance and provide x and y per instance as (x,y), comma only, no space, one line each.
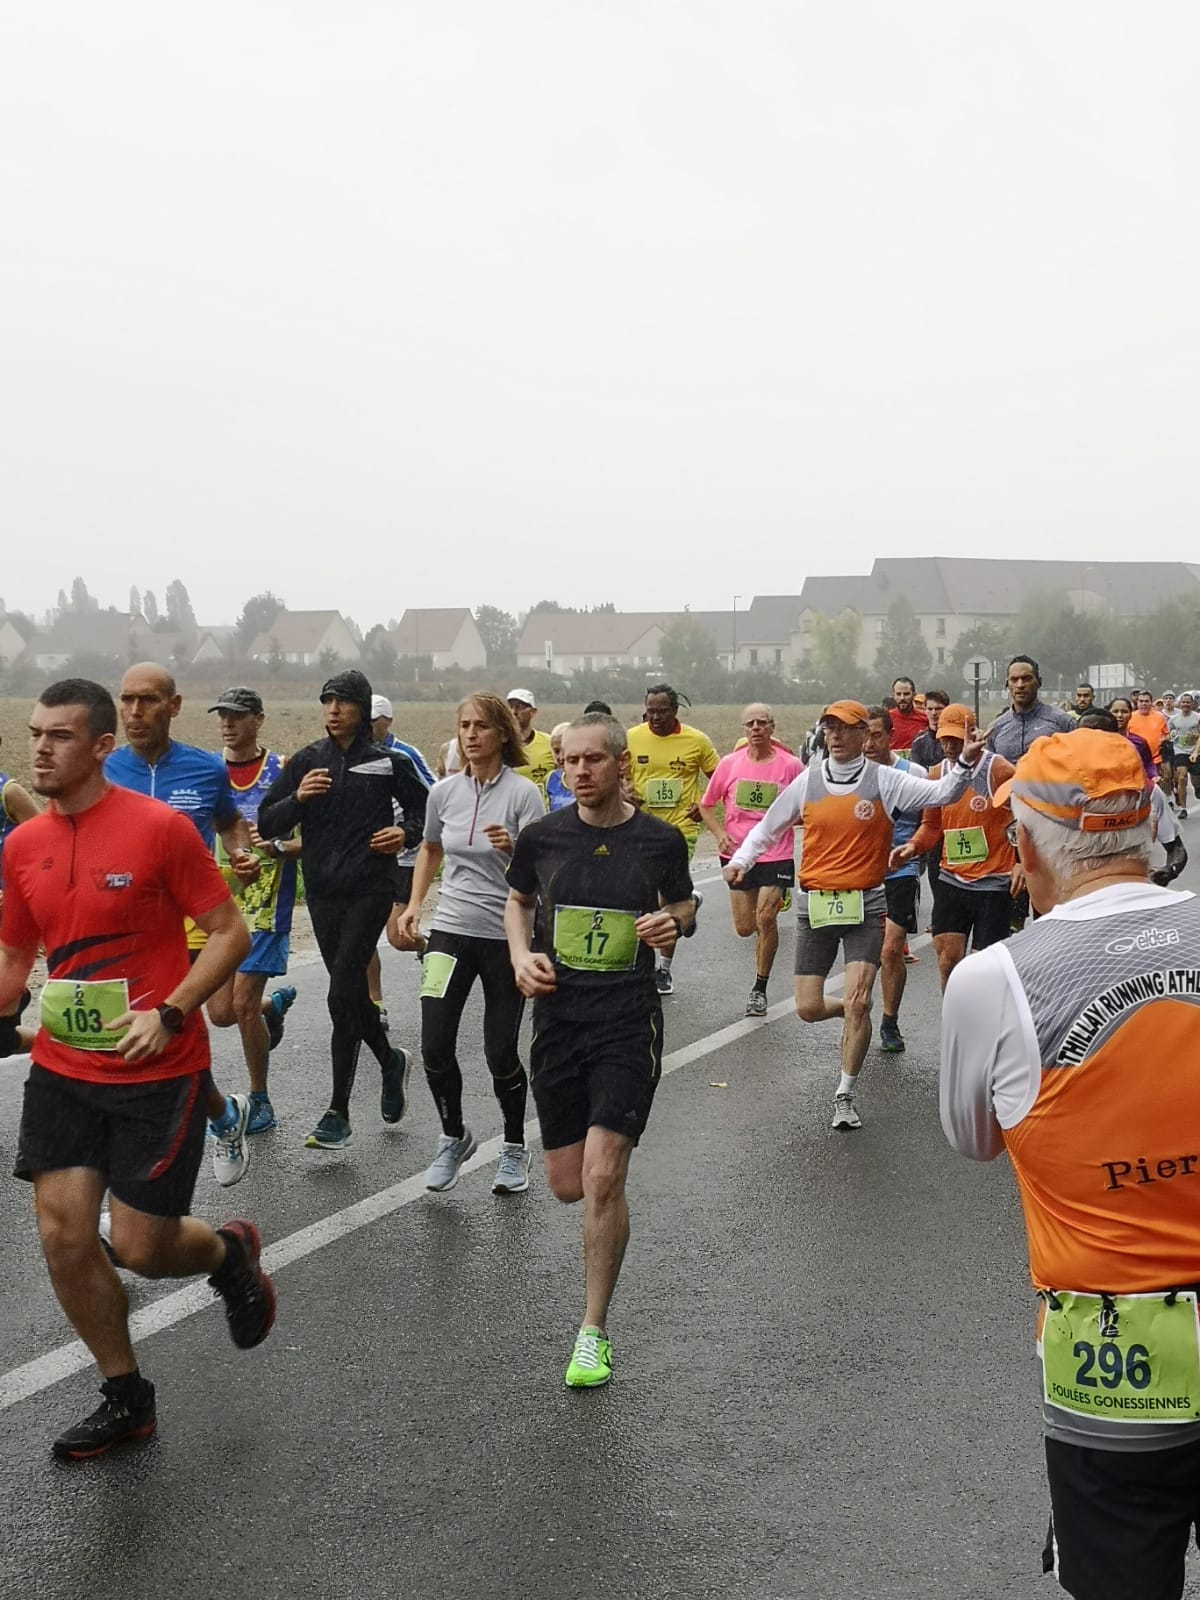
(171,1018)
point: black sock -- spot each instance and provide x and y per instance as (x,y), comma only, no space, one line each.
(129,1389)
(512,1094)
(760,984)
(894,1019)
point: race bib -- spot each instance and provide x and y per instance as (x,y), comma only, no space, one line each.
(592,939)
(1137,1360)
(965,845)
(842,908)
(664,794)
(78,1014)
(437,968)
(749,796)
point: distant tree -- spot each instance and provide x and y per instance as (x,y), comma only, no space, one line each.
(257,615)
(834,662)
(689,658)
(548,605)
(1063,641)
(498,630)
(988,639)
(606,607)
(63,605)
(135,601)
(179,606)
(902,652)
(150,607)
(379,653)
(81,600)
(1163,648)
(328,659)
(353,629)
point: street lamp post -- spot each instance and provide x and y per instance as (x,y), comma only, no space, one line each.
(733,653)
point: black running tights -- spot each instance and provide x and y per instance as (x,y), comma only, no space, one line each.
(347,932)
(487,960)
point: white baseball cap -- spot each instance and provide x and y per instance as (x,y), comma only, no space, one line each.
(525,696)
(381,706)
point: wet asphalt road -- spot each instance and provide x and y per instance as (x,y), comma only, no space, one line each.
(825,1374)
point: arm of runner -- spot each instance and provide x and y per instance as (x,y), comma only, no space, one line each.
(990,1072)
(18,802)
(927,837)
(785,812)
(235,836)
(412,797)
(533,971)
(282,806)
(708,816)
(902,792)
(16,963)
(676,902)
(227,945)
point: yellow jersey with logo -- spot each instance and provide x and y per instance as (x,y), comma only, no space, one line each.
(666,772)
(539,761)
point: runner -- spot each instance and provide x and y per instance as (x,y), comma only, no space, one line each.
(608,884)
(746,783)
(847,805)
(557,793)
(474,818)
(266,903)
(1185,737)
(342,792)
(115,1096)
(1148,722)
(926,751)
(908,721)
(667,761)
(901,887)
(196,783)
(539,757)
(1085,700)
(978,873)
(1045,1045)
(382,717)
(1028,717)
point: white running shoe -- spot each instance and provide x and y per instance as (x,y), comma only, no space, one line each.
(512,1170)
(845,1117)
(231,1153)
(451,1153)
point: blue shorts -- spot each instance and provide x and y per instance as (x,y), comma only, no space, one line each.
(268,953)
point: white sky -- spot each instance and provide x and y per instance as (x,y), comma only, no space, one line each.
(379,304)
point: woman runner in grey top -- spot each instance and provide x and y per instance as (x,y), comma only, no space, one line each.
(472,821)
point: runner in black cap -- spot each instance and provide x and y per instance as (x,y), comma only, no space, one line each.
(341,791)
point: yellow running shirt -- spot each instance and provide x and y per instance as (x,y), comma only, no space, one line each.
(539,761)
(666,773)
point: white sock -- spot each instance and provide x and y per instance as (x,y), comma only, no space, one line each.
(846,1084)
(661,961)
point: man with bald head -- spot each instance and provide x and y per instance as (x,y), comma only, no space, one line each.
(745,783)
(195,782)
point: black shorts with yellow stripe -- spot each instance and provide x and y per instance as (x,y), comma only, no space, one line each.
(595,1074)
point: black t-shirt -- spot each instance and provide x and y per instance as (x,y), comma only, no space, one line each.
(590,885)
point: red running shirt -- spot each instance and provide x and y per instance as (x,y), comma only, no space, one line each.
(106,892)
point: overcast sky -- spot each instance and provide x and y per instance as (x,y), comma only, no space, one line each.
(378,304)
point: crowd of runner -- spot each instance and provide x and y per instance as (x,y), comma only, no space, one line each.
(562,867)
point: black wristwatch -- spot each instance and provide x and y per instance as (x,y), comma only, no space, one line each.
(171,1018)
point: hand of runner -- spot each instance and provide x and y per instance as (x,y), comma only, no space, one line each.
(146,1037)
(534,974)
(973,747)
(900,856)
(693,814)
(733,875)
(499,838)
(1016,880)
(387,841)
(408,926)
(245,865)
(657,929)
(725,845)
(313,783)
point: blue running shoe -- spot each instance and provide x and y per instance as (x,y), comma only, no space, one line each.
(262,1114)
(282,1001)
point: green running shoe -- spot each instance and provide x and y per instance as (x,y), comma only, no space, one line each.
(591,1360)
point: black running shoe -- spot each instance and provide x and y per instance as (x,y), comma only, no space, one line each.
(111,1423)
(394,1094)
(247,1291)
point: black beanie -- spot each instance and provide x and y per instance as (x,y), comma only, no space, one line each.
(349,685)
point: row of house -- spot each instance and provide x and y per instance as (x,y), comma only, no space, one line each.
(949,596)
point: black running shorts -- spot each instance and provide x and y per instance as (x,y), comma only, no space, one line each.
(981,916)
(764,875)
(817,948)
(146,1139)
(1122,1520)
(598,1076)
(902,896)
(404,885)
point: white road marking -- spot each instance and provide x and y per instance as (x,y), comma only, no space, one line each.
(44,1371)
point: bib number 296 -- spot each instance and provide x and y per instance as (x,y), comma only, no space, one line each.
(1116,1367)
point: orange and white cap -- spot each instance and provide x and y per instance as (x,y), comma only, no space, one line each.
(851,712)
(1059,776)
(956,720)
